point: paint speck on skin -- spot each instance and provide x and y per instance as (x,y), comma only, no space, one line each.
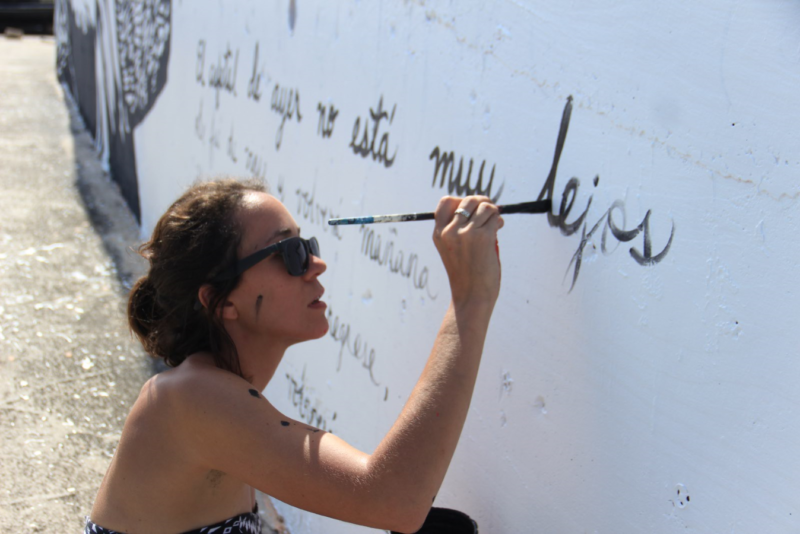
(284,423)
(254,393)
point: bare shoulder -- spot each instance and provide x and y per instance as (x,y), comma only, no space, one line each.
(201,391)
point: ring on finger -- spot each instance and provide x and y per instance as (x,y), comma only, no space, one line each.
(465,213)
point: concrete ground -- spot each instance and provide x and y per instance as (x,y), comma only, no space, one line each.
(69,369)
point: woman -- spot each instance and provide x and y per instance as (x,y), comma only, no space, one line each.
(231,286)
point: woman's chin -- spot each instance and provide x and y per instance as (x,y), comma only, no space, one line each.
(322,330)
(317,330)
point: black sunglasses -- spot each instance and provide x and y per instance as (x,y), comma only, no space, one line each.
(295,252)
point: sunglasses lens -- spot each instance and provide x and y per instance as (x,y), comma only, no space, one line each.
(295,257)
(295,254)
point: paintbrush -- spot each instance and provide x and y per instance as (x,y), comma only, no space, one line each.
(537,206)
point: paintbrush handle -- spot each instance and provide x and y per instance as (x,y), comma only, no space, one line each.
(537,206)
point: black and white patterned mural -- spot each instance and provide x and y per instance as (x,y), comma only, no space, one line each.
(112,58)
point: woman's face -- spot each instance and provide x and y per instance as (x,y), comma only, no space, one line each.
(269,301)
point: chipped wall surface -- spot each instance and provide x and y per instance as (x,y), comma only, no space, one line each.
(641,370)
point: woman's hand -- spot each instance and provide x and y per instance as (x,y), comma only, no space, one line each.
(466,237)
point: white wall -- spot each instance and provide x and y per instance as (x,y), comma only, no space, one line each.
(655,399)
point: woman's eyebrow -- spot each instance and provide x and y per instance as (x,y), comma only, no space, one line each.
(283,233)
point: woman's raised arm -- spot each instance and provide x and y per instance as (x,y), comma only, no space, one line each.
(394,487)
(414,456)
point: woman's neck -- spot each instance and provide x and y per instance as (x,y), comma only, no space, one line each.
(258,358)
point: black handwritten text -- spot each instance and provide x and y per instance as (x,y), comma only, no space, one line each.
(366,147)
(644,256)
(456,184)
(286,103)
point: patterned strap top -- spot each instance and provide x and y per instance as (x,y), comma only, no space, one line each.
(247,523)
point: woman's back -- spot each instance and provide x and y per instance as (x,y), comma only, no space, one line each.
(155,482)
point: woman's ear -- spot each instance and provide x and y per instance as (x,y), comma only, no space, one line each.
(226,311)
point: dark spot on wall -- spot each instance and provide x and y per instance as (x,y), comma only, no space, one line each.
(292,14)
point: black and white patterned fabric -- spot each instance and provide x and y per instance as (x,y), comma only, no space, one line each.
(248,523)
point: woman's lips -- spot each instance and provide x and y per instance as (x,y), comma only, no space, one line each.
(318,304)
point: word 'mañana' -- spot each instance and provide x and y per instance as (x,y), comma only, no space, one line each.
(398,262)
(606,222)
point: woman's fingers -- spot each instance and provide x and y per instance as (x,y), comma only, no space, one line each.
(444,211)
(466,236)
(483,213)
(467,208)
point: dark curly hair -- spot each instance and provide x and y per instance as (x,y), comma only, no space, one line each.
(193,242)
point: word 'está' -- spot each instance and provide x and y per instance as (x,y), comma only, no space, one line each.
(286,103)
(366,147)
(456,183)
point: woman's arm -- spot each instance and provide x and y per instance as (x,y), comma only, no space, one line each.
(413,458)
(393,488)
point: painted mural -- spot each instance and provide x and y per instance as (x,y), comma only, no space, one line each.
(640,371)
(113,56)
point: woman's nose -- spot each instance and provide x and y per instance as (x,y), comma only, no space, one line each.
(316,266)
